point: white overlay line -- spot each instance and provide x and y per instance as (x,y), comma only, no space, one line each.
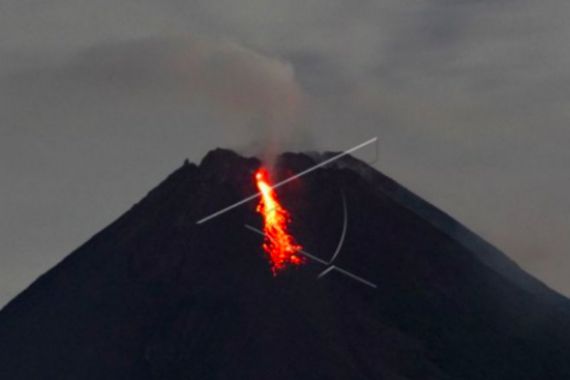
(323,262)
(279,184)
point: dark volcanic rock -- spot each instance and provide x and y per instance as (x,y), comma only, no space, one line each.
(156,296)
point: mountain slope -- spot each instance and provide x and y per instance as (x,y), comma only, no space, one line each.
(156,296)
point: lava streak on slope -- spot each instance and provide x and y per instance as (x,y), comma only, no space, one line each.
(279,244)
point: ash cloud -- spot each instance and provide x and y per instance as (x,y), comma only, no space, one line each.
(241,86)
(469,99)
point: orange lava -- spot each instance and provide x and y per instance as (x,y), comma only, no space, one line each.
(279,245)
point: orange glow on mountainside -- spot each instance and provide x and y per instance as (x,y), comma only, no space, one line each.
(279,245)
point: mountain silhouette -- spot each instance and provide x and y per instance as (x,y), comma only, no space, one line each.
(157,296)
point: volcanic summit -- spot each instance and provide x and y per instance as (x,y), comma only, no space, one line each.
(156,295)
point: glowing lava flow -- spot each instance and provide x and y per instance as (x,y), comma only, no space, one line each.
(279,244)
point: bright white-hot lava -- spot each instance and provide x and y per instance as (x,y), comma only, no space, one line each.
(279,244)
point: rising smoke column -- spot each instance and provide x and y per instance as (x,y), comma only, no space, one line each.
(279,244)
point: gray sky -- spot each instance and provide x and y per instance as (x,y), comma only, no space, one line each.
(100,100)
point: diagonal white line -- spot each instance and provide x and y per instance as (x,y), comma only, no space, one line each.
(324,273)
(347,273)
(312,257)
(304,253)
(279,184)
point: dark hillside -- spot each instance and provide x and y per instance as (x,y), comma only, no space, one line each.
(156,296)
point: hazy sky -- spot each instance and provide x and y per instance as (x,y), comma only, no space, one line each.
(100,100)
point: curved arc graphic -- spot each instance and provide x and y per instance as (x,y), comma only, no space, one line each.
(344,229)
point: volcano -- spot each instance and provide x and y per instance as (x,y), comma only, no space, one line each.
(157,296)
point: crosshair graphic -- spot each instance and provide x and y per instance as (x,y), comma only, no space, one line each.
(329,264)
